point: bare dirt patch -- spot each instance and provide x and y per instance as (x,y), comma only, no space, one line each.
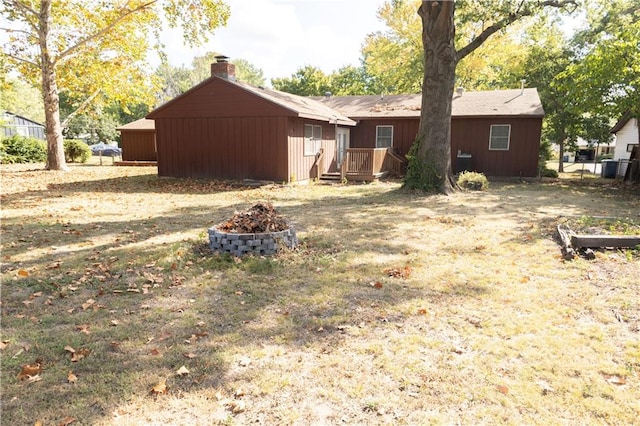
(483,321)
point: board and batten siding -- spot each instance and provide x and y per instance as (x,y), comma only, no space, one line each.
(626,136)
(404,133)
(223,148)
(138,145)
(300,165)
(470,135)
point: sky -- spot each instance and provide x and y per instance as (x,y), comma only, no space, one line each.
(281,36)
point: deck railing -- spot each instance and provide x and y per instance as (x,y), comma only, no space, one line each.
(370,163)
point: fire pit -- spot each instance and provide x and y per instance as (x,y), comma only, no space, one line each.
(259,230)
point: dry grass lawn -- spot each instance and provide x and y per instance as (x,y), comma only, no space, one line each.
(483,324)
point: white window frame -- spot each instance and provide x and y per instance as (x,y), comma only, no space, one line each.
(378,137)
(491,137)
(312,144)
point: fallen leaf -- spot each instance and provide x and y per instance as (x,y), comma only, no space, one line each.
(72,378)
(83,328)
(154,352)
(33,379)
(115,322)
(189,355)
(422,311)
(78,355)
(502,389)
(69,349)
(160,388)
(525,279)
(237,406)
(376,284)
(615,379)
(38,423)
(86,305)
(23,273)
(182,371)
(36,294)
(3,344)
(67,421)
(29,370)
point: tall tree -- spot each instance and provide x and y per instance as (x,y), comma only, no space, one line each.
(396,57)
(73,44)
(430,160)
(605,76)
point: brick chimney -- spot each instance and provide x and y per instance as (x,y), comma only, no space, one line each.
(223,68)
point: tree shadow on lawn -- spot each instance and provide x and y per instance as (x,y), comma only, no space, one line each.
(199,310)
(205,311)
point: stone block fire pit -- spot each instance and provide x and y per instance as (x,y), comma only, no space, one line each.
(259,230)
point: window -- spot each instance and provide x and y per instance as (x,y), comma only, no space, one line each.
(499,138)
(384,136)
(630,146)
(312,139)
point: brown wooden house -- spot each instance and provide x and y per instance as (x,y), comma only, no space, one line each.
(227,129)
(494,132)
(138,141)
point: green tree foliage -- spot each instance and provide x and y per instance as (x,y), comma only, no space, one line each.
(23,99)
(311,81)
(96,51)
(306,81)
(174,81)
(396,56)
(21,149)
(605,76)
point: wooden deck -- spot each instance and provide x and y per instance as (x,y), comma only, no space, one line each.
(368,164)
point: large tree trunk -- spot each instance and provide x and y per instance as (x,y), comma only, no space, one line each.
(53,129)
(561,151)
(432,149)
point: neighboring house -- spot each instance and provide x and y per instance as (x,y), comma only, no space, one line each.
(13,124)
(226,129)
(138,141)
(627,136)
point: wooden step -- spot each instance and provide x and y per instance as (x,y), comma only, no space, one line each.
(330,176)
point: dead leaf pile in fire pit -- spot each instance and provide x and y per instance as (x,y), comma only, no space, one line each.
(262,217)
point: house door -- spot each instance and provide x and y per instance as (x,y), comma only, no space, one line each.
(342,140)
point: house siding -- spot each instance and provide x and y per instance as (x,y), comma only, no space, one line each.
(218,98)
(470,135)
(404,133)
(223,148)
(17,125)
(301,166)
(138,145)
(625,136)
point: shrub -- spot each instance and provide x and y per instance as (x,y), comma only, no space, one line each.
(473,180)
(550,173)
(21,149)
(76,151)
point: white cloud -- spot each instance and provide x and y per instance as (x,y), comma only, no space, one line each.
(280,36)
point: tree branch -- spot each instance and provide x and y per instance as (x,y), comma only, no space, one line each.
(21,5)
(508,20)
(26,61)
(13,30)
(106,29)
(78,110)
